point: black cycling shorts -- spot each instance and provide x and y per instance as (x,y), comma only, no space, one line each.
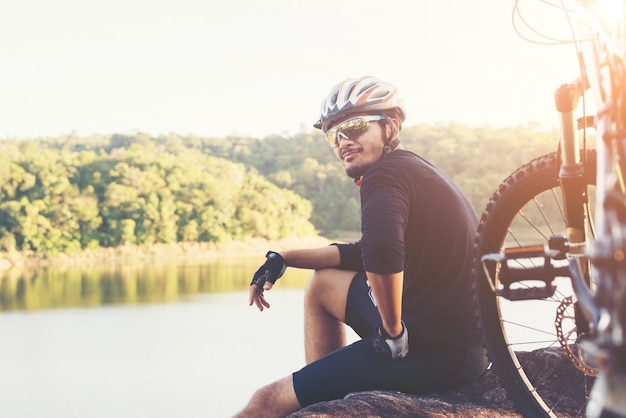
(358,367)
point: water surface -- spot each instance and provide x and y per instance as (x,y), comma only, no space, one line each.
(153,341)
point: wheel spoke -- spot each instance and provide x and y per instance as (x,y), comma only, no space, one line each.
(527,210)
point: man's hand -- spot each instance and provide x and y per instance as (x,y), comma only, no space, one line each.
(391,347)
(265,277)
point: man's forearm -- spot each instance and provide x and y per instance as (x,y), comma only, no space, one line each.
(312,258)
(387,290)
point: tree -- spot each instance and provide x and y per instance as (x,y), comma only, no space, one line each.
(60,194)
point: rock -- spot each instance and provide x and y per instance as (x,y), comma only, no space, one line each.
(483,397)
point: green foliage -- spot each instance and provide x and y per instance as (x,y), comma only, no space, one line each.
(477,160)
(69,193)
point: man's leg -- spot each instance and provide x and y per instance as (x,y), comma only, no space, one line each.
(324,312)
(324,331)
(277,399)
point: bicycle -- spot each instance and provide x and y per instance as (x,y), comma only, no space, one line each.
(550,270)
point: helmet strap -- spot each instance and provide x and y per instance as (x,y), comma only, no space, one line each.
(389,148)
(391,144)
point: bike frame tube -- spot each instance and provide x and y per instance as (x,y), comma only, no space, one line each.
(571,172)
(573,188)
(566,99)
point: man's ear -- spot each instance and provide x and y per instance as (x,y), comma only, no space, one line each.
(392,129)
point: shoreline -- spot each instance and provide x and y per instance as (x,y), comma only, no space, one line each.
(181,250)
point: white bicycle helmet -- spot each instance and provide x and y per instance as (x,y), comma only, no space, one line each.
(353,95)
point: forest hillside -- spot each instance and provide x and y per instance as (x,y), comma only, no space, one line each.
(70,193)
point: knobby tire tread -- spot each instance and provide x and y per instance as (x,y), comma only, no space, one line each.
(529,180)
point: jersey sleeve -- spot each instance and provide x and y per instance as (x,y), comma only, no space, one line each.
(384,217)
(350,256)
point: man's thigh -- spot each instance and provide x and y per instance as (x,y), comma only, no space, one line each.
(361,311)
(358,367)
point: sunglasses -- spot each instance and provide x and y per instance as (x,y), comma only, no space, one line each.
(350,129)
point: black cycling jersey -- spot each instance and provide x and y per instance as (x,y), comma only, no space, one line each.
(415,220)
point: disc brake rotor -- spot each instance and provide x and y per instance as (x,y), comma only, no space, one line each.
(575,357)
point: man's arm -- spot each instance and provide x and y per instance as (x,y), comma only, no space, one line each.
(387,290)
(312,258)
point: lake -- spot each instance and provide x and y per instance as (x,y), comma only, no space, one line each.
(154,339)
(157,339)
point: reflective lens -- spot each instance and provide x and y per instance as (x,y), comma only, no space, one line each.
(350,129)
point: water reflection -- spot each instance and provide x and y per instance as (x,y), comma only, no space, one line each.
(145,282)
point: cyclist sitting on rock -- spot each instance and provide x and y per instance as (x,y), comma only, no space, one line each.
(404,287)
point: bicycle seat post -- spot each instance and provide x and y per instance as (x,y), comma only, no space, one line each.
(566,100)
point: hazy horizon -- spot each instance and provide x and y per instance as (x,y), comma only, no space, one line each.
(261,68)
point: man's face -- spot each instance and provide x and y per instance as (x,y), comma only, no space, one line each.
(358,152)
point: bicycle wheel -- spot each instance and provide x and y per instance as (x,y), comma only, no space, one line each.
(525,210)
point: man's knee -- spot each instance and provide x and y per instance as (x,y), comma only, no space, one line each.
(320,282)
(326,285)
(277,399)
(262,398)
(328,289)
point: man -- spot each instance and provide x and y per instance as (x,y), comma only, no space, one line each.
(404,287)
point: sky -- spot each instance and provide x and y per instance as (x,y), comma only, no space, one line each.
(262,67)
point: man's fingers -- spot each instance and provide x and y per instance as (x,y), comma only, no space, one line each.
(257,298)
(263,301)
(253,292)
(260,284)
(260,302)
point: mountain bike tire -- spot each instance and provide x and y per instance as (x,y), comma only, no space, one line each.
(519,213)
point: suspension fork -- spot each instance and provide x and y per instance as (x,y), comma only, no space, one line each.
(575,199)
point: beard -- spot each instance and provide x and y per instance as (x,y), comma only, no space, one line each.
(367,157)
(356,171)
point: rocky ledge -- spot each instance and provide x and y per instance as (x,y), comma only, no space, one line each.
(482,398)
